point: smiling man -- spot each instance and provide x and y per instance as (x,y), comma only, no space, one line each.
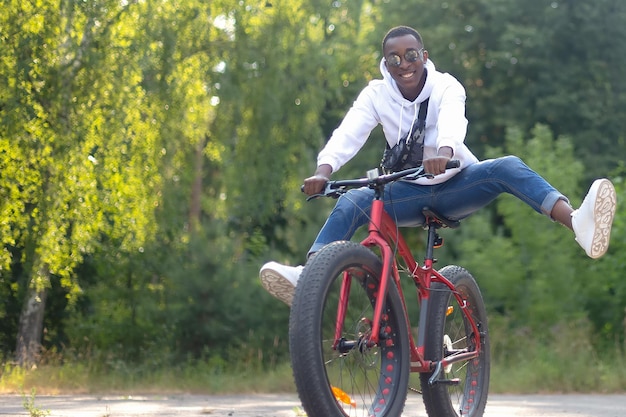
(413,91)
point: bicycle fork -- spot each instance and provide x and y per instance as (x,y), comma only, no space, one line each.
(374,337)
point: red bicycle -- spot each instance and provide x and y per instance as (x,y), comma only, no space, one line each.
(349,332)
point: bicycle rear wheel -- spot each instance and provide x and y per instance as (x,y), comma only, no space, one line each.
(353,379)
(448,331)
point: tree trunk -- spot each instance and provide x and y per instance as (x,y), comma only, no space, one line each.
(31,327)
(195,206)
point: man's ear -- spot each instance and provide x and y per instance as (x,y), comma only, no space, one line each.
(424,56)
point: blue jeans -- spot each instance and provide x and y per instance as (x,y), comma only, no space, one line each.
(471,189)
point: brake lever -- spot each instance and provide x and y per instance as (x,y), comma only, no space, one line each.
(418,175)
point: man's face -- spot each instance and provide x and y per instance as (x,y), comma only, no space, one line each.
(404,59)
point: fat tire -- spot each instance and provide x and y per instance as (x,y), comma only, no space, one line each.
(316,365)
(470,397)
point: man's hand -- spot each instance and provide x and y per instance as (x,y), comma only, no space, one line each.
(437,164)
(315,184)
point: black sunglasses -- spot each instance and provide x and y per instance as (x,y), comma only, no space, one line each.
(411,55)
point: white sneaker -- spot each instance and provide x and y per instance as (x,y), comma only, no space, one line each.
(280,280)
(593,220)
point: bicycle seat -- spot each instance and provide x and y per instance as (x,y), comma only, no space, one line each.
(432,215)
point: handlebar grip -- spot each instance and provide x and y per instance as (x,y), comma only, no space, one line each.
(453,163)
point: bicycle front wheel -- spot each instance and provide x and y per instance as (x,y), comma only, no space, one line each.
(463,386)
(351,377)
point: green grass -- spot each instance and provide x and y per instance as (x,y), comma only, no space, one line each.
(550,371)
(193,378)
(561,360)
(542,371)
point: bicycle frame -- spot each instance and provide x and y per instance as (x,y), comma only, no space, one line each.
(384,234)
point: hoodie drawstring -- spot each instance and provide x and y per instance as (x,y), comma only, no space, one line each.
(400,124)
(408,137)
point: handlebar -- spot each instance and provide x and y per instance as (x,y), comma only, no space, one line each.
(374,180)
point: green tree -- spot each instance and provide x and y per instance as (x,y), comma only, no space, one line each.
(77,144)
(275,81)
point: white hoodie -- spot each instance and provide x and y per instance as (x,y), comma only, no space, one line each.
(381,102)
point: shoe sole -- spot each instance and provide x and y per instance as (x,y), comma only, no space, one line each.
(278,286)
(604,212)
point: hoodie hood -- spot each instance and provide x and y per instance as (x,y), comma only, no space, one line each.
(394,91)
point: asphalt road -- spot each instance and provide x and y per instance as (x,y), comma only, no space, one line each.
(288,406)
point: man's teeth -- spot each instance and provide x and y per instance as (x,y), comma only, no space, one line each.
(409,75)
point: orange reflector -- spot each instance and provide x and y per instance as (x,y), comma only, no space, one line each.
(450,310)
(342,396)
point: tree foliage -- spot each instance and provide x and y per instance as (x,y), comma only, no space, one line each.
(151,154)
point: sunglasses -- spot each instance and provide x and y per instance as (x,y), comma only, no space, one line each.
(412,55)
